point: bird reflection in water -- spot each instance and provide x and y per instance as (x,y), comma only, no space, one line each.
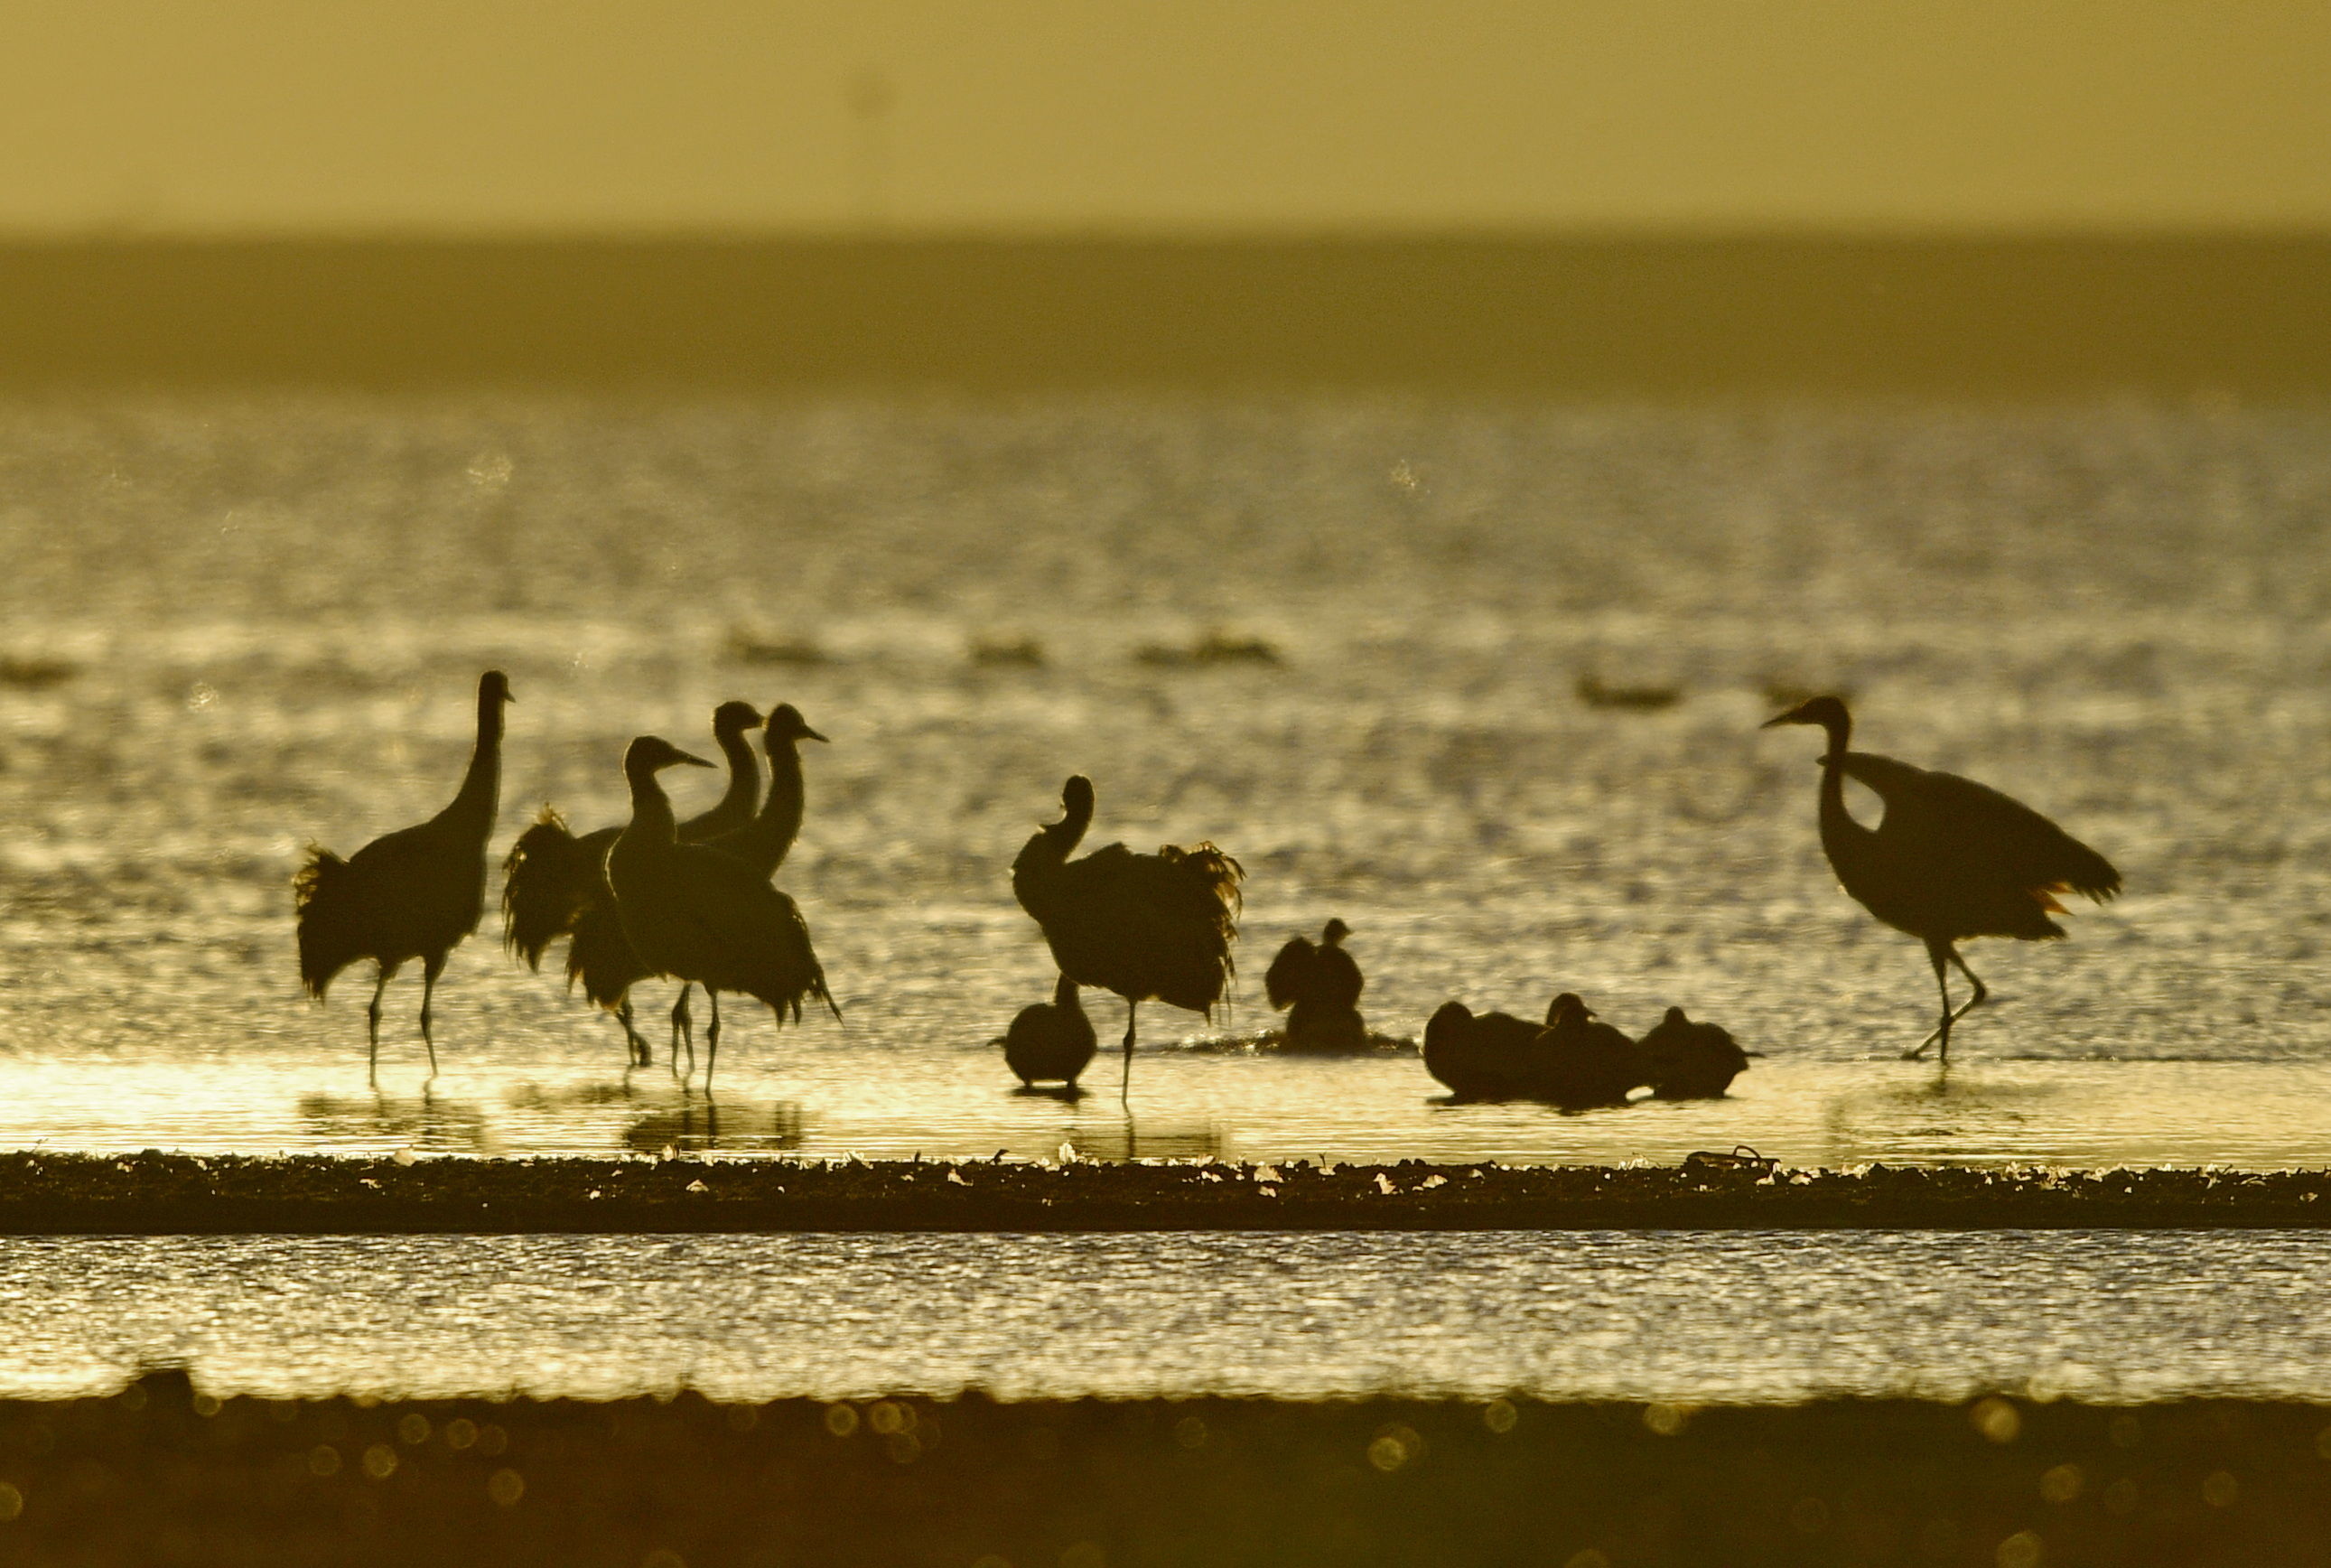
(430,1122)
(699,1121)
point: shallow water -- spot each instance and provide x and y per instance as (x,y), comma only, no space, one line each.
(1677,1316)
(270,618)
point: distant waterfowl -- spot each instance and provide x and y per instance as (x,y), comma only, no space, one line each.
(1587,1062)
(1145,926)
(1322,984)
(554,883)
(698,915)
(414,894)
(1951,860)
(1489,1056)
(1688,1061)
(1051,1041)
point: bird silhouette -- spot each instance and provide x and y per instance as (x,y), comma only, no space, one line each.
(600,956)
(1489,1056)
(1145,926)
(412,894)
(1318,987)
(1586,1062)
(554,882)
(1689,1061)
(698,915)
(1051,1040)
(1952,859)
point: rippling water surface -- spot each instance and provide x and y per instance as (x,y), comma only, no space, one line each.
(232,626)
(1689,1316)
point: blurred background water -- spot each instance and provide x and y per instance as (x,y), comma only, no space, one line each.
(233,623)
(1656,1315)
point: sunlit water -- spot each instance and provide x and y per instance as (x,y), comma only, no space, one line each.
(271,616)
(1689,1316)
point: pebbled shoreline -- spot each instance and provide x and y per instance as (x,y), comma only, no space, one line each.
(159,1194)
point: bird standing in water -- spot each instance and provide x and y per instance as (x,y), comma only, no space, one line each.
(412,894)
(695,913)
(555,884)
(1322,984)
(1952,859)
(1146,927)
(1051,1040)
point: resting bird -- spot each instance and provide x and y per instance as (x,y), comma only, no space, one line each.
(414,894)
(1145,927)
(1587,1062)
(1490,1056)
(1690,1061)
(1322,984)
(1051,1040)
(1952,859)
(552,880)
(697,914)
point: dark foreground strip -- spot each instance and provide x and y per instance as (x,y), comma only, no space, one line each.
(161,1194)
(163,1474)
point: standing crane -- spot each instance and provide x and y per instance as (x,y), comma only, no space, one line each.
(553,879)
(415,893)
(1953,859)
(700,915)
(1146,927)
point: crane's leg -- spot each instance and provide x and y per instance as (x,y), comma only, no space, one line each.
(1943,954)
(711,1039)
(430,969)
(372,1028)
(1125,1085)
(683,1028)
(637,1052)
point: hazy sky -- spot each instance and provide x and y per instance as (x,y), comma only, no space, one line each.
(1215,116)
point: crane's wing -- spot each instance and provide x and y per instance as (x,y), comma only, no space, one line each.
(1169,917)
(548,877)
(1944,814)
(1285,980)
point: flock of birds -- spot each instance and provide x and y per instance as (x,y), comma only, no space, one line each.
(695,902)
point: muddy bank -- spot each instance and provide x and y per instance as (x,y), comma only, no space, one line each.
(151,1193)
(164,1474)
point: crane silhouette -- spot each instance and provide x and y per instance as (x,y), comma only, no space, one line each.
(1485,1056)
(1686,1060)
(1321,985)
(601,955)
(552,879)
(1952,859)
(697,914)
(1145,926)
(1050,1040)
(415,893)
(1587,1062)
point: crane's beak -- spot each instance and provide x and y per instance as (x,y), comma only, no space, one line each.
(691,760)
(809,734)
(1778,720)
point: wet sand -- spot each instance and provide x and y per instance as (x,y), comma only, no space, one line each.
(157,1195)
(161,1473)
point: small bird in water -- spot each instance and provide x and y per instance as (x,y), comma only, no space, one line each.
(1145,926)
(1322,984)
(1587,1062)
(1952,859)
(697,914)
(1690,1061)
(412,894)
(1489,1056)
(1051,1041)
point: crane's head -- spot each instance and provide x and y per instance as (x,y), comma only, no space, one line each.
(1077,798)
(1567,1008)
(785,723)
(1335,932)
(1829,712)
(653,754)
(731,719)
(493,685)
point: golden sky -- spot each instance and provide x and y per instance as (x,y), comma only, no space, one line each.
(1152,117)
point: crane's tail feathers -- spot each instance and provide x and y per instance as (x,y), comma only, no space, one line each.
(329,941)
(546,878)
